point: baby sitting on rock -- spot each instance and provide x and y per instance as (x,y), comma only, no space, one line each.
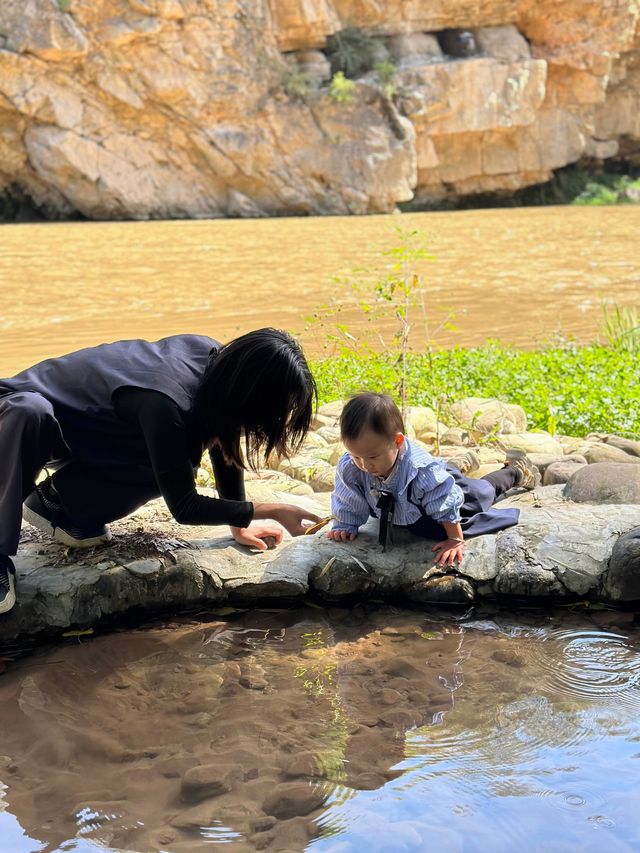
(386,475)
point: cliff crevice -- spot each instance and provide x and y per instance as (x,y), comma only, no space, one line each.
(185,108)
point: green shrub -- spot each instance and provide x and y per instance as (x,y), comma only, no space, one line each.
(340,89)
(575,390)
(386,72)
(351,51)
(295,84)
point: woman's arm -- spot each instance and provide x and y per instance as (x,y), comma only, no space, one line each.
(165,434)
(229,478)
(230,484)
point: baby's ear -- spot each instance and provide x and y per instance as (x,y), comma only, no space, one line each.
(399,440)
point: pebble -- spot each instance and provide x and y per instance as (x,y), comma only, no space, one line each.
(292,799)
(208,780)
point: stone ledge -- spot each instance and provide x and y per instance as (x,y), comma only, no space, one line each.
(560,551)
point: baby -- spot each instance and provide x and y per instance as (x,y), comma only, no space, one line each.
(385,475)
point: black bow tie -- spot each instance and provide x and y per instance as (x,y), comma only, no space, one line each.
(385,505)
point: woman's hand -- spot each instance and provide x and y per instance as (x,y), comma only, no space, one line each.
(448,552)
(341,535)
(254,537)
(289,516)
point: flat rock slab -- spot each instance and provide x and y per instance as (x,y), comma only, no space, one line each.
(559,551)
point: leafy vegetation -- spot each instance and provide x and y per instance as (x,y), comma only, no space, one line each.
(351,51)
(386,72)
(574,390)
(295,84)
(395,291)
(621,326)
(563,388)
(340,89)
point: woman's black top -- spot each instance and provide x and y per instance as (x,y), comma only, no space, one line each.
(155,384)
(173,456)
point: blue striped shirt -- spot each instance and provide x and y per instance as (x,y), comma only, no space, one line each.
(356,493)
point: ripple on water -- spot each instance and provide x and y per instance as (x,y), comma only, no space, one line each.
(589,665)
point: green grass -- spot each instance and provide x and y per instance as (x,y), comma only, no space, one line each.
(572,390)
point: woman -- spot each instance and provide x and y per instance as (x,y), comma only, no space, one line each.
(122,423)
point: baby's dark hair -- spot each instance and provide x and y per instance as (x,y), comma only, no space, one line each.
(368,410)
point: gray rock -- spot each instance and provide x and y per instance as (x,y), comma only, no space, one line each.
(609,453)
(605,482)
(144,568)
(314,63)
(562,471)
(503,42)
(560,549)
(543,460)
(622,581)
(409,49)
(444,589)
(626,444)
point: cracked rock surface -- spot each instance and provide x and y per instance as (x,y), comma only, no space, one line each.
(560,551)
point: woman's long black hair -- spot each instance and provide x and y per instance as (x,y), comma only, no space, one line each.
(258,384)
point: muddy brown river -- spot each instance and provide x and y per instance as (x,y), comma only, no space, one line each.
(524,276)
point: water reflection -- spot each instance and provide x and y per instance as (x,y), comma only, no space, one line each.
(336,731)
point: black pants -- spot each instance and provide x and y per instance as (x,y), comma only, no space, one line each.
(502,480)
(90,493)
(477,514)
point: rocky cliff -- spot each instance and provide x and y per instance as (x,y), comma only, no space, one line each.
(194,108)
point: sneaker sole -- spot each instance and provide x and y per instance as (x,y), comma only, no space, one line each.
(529,471)
(10,599)
(60,535)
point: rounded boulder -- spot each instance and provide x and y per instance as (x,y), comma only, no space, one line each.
(605,482)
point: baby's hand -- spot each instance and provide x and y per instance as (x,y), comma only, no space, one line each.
(341,535)
(447,552)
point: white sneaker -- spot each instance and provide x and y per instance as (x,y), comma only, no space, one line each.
(7,584)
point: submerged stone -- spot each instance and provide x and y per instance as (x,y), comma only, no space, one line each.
(208,780)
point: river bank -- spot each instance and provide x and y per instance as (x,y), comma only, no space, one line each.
(566,388)
(576,540)
(590,185)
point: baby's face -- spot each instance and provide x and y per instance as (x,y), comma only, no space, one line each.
(376,454)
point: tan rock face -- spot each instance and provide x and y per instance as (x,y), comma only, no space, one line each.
(187,108)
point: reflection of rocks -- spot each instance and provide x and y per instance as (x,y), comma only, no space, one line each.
(388,701)
(208,780)
(263,766)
